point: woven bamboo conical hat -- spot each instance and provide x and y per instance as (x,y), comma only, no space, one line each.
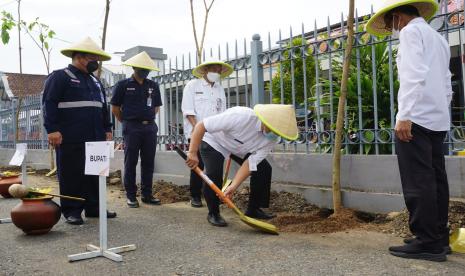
(376,24)
(279,118)
(200,70)
(142,60)
(87,45)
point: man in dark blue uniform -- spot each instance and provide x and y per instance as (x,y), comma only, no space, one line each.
(75,112)
(135,103)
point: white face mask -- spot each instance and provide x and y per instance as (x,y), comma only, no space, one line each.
(395,32)
(213,77)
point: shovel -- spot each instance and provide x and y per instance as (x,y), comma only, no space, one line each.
(226,181)
(21,191)
(259,225)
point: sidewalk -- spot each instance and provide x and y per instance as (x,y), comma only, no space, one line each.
(175,239)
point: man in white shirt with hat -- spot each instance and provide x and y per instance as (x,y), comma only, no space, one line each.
(203,97)
(422,122)
(135,103)
(247,136)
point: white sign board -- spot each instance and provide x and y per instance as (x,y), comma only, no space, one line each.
(98,156)
(19,155)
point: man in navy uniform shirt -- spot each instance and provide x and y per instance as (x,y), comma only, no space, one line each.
(135,103)
(75,112)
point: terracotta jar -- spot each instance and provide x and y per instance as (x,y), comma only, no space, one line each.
(36,216)
(6,182)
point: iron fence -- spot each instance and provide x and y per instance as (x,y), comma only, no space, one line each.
(302,69)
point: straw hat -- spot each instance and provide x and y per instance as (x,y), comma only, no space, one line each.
(142,60)
(278,118)
(200,70)
(87,45)
(376,25)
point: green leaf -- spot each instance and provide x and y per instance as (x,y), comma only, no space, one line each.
(5,36)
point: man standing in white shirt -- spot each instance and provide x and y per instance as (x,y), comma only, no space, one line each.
(422,122)
(247,136)
(203,97)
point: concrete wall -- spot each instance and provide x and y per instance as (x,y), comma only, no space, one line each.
(370,183)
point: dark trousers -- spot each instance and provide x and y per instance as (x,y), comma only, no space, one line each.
(139,138)
(71,160)
(195,183)
(424,184)
(260,180)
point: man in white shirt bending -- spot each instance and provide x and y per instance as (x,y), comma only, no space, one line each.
(247,136)
(421,123)
(203,97)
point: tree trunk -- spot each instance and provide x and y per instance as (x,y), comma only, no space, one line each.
(19,38)
(199,46)
(336,182)
(104,34)
(194,29)
(18,111)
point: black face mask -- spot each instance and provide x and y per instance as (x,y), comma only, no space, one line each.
(142,73)
(92,66)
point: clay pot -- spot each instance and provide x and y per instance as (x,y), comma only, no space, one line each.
(5,183)
(36,216)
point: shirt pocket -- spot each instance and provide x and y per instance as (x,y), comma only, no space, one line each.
(200,100)
(238,143)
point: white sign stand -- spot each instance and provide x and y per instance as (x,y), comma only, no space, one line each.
(5,220)
(18,159)
(98,155)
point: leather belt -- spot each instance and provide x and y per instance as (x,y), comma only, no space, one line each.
(148,122)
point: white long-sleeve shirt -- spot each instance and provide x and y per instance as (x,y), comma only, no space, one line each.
(201,100)
(238,131)
(425,80)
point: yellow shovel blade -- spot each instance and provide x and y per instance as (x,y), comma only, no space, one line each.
(457,240)
(257,224)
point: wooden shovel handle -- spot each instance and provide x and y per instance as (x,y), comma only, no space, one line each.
(226,172)
(207,180)
(61,196)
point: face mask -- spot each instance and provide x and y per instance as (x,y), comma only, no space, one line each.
(91,66)
(142,73)
(271,136)
(213,77)
(395,32)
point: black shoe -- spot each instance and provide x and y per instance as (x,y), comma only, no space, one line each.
(196,202)
(216,220)
(151,200)
(415,250)
(74,220)
(409,240)
(133,203)
(258,214)
(110,215)
(412,239)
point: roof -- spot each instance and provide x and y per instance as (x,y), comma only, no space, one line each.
(19,85)
(153,52)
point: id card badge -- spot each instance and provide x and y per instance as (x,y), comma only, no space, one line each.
(149,101)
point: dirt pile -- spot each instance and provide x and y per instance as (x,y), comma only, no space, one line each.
(399,224)
(168,192)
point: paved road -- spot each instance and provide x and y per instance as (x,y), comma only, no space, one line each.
(176,239)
